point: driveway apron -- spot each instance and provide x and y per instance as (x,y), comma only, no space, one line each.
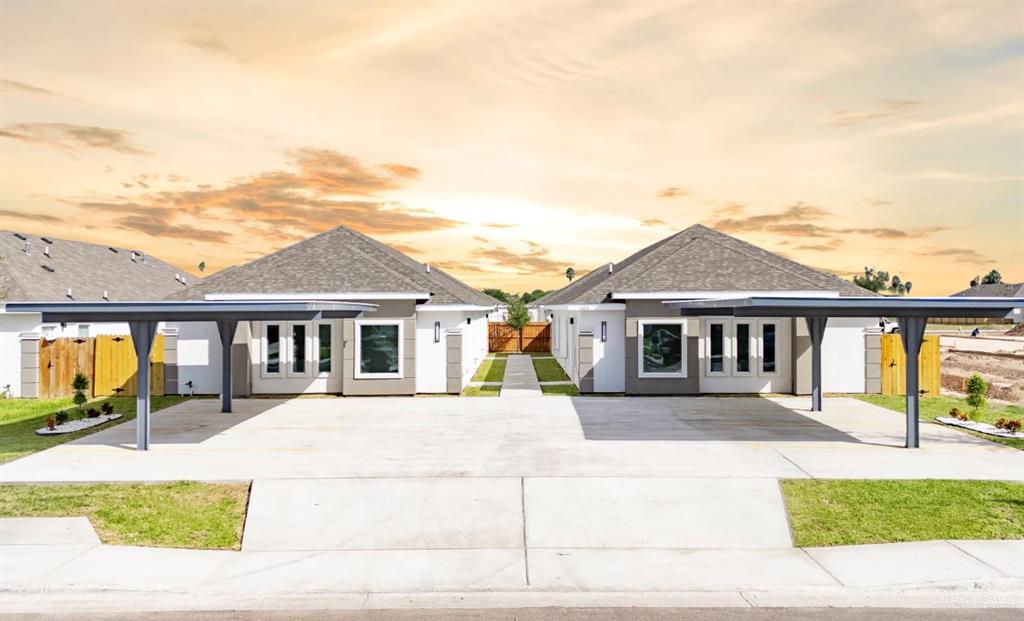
(520,378)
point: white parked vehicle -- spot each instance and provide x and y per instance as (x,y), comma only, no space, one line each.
(888,327)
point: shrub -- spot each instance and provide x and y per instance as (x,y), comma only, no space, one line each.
(61,417)
(107,408)
(977,388)
(80,384)
(51,423)
(1009,424)
(92,413)
(956,413)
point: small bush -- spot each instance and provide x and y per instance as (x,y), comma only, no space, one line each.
(107,408)
(80,384)
(1009,424)
(92,413)
(61,417)
(957,413)
(977,389)
(51,423)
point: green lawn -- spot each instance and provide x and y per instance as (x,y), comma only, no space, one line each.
(19,419)
(560,389)
(481,391)
(184,514)
(548,370)
(832,512)
(532,354)
(931,407)
(491,370)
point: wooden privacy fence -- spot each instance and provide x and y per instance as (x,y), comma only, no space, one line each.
(894,365)
(505,338)
(108,361)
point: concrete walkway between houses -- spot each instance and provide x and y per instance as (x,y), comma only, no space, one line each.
(520,378)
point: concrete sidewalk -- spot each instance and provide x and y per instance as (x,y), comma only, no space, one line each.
(79,574)
(520,378)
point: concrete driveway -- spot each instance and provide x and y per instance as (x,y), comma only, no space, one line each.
(484,494)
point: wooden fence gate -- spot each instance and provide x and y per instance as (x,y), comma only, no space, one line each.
(894,366)
(534,337)
(108,361)
(59,360)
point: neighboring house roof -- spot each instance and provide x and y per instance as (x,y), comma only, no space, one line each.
(88,270)
(996,290)
(698,259)
(338,261)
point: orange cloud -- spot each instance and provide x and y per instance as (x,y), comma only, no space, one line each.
(672,191)
(70,137)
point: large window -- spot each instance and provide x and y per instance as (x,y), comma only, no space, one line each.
(379,349)
(324,348)
(768,332)
(273,348)
(742,348)
(662,347)
(716,348)
(298,348)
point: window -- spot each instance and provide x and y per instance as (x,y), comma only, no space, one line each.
(768,331)
(716,348)
(324,348)
(273,348)
(742,348)
(379,349)
(83,330)
(661,349)
(298,348)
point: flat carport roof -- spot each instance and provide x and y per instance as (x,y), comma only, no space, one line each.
(142,319)
(911,313)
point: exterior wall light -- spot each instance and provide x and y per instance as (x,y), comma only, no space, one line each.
(437,331)
(604,331)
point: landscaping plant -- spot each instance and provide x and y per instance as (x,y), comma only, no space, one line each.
(92,413)
(61,417)
(977,388)
(107,408)
(80,384)
(51,423)
(1009,424)
(958,414)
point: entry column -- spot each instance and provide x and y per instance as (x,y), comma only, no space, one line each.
(816,326)
(227,337)
(143,334)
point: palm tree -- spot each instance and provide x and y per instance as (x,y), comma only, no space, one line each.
(570,273)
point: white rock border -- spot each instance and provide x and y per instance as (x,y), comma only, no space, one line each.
(77,425)
(985,428)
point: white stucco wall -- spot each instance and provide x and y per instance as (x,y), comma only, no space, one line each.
(610,355)
(431,357)
(757,380)
(198,357)
(843,354)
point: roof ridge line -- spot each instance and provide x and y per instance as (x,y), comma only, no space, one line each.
(366,254)
(760,260)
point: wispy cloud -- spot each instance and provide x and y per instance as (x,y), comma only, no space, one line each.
(498,225)
(71,137)
(886,108)
(672,191)
(14,86)
(534,261)
(654,222)
(803,220)
(211,45)
(28,216)
(961,255)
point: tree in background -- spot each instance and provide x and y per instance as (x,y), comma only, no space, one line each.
(570,273)
(533,296)
(497,294)
(518,317)
(506,298)
(992,278)
(880,282)
(202,266)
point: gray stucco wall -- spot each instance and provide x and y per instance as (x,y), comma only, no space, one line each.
(635,385)
(29,365)
(802,357)
(406,385)
(453,362)
(586,361)
(170,361)
(873,363)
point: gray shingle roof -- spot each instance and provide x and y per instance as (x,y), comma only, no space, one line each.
(338,261)
(699,259)
(996,290)
(87,269)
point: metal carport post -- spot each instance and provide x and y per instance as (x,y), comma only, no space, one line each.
(912,314)
(142,319)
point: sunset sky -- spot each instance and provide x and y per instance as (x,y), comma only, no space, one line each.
(507,141)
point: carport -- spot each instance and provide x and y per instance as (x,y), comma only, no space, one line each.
(911,313)
(142,319)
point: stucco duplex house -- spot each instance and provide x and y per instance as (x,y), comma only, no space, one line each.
(612,333)
(427,334)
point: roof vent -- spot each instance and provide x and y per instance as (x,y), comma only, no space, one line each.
(47,268)
(26,246)
(46,240)
(611,267)
(105,296)
(132,257)
(428,268)
(112,249)
(69,293)
(46,251)
(20,236)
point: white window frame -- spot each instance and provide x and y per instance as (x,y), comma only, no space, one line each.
(760,346)
(357,337)
(726,347)
(265,346)
(753,338)
(290,342)
(316,349)
(640,323)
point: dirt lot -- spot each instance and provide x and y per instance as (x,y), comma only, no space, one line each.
(1003,372)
